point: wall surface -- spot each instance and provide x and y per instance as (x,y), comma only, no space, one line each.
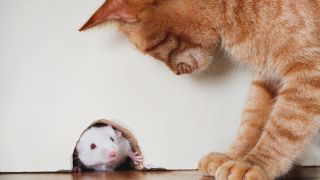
(54,81)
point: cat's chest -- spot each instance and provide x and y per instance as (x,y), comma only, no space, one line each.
(245,52)
(254,56)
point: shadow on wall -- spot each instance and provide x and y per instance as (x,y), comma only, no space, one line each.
(219,67)
(311,156)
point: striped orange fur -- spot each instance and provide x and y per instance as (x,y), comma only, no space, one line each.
(278,39)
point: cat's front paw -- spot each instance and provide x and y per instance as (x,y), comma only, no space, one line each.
(188,61)
(237,170)
(185,68)
(209,164)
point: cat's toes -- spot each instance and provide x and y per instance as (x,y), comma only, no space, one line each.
(236,170)
(184,68)
(211,162)
(190,60)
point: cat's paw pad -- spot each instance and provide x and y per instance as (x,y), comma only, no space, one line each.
(209,164)
(236,170)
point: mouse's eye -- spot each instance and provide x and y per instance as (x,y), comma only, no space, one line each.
(111,139)
(93,146)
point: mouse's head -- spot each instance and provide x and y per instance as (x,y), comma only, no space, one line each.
(98,145)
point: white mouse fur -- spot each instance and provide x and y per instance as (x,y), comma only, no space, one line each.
(98,157)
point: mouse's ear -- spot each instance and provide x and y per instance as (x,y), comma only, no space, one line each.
(118,133)
(111,10)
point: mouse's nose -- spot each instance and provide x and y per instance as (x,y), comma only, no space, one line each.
(112,154)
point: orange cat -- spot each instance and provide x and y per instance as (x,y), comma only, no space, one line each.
(278,39)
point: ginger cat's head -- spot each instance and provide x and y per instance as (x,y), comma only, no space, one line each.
(173,31)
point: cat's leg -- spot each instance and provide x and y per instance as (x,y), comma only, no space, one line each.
(256,113)
(289,128)
(258,107)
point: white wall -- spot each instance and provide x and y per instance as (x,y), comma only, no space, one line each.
(54,81)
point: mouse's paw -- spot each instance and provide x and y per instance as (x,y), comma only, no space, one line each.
(209,164)
(136,157)
(76,169)
(237,170)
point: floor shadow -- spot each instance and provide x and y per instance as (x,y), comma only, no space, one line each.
(302,173)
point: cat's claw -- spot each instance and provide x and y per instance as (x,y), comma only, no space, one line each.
(237,170)
(209,164)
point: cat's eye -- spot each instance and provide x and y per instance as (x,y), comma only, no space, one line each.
(111,139)
(93,146)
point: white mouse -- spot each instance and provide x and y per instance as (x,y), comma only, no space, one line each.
(103,149)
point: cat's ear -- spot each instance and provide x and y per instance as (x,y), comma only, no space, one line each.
(110,10)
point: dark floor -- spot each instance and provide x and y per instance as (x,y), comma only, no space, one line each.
(309,173)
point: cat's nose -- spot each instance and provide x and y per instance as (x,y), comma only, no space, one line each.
(112,154)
